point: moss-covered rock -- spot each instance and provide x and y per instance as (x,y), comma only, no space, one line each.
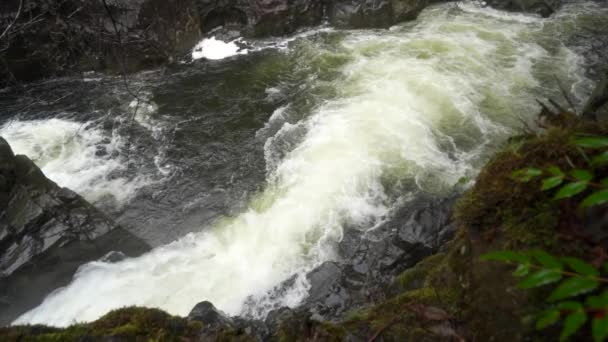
(127,324)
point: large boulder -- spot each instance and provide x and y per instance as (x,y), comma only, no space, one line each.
(373,13)
(543,8)
(260,17)
(46,233)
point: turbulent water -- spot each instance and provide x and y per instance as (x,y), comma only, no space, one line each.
(331,133)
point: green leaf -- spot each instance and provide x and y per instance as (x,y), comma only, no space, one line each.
(599,328)
(592,142)
(570,305)
(581,267)
(598,302)
(596,198)
(604,182)
(555,170)
(547,318)
(540,278)
(601,158)
(571,189)
(582,175)
(546,259)
(551,182)
(572,324)
(463,180)
(573,287)
(522,270)
(507,256)
(525,175)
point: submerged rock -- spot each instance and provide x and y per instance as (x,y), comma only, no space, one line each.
(46,233)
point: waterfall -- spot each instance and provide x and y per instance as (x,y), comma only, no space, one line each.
(416,107)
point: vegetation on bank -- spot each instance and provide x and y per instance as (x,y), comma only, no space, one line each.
(454,294)
(127,324)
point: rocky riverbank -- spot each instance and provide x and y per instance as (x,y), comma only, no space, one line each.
(50,38)
(46,233)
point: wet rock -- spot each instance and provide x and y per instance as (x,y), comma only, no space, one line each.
(597,105)
(543,8)
(217,325)
(408,9)
(361,13)
(46,233)
(259,17)
(101,151)
(113,257)
(290,322)
(207,313)
(332,291)
(279,17)
(75,35)
(370,261)
(81,36)
(373,13)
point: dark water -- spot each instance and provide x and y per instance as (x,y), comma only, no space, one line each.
(203,153)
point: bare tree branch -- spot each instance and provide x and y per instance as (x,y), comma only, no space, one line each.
(8,28)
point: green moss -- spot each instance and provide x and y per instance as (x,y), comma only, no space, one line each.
(230,335)
(415,277)
(527,217)
(133,323)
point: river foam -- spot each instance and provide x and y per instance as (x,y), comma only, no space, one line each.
(212,48)
(75,155)
(420,105)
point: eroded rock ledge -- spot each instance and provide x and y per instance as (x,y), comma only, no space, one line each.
(53,38)
(46,233)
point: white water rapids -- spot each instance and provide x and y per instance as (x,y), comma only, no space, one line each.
(420,102)
(67,152)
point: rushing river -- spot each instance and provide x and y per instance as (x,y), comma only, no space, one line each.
(255,164)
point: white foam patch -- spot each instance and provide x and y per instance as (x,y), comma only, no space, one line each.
(212,48)
(75,155)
